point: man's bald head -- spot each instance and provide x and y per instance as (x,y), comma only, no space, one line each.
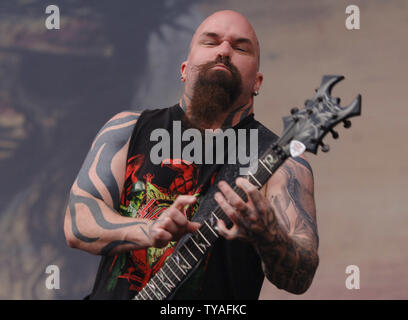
(228,16)
(224,53)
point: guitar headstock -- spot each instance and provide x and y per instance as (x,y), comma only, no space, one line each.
(319,116)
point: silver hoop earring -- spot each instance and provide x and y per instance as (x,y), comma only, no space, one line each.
(256,93)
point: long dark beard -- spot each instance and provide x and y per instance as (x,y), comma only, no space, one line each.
(215,92)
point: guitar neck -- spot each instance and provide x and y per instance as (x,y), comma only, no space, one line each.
(181,264)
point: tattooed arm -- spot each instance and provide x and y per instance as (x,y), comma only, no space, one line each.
(280,221)
(92,221)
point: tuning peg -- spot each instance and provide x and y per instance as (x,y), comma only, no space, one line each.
(336,100)
(325,147)
(294,110)
(347,124)
(335,134)
(307,102)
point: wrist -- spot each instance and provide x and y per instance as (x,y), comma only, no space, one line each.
(271,238)
(140,234)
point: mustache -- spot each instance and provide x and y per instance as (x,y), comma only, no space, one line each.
(219,60)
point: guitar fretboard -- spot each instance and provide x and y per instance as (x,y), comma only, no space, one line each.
(181,263)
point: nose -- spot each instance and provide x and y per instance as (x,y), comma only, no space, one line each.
(224,50)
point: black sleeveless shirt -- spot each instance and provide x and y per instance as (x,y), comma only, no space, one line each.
(231,269)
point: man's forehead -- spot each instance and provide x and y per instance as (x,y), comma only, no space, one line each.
(224,23)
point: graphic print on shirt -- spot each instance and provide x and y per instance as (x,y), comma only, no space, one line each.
(147,200)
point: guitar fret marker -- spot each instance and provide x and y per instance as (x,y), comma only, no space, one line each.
(184,260)
(197,245)
(205,239)
(158,288)
(150,285)
(163,284)
(173,285)
(171,257)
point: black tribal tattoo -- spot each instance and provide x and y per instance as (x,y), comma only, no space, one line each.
(108,143)
(111,139)
(97,214)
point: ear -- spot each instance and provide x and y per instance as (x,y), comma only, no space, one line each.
(183,71)
(258,81)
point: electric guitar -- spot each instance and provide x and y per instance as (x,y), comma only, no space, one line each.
(303,131)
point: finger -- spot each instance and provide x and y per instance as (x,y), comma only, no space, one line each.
(228,234)
(177,216)
(256,197)
(245,185)
(183,201)
(168,224)
(161,238)
(193,226)
(231,196)
(225,206)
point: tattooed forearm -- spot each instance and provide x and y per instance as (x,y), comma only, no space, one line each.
(289,252)
(300,195)
(97,214)
(113,245)
(289,263)
(98,217)
(280,225)
(281,204)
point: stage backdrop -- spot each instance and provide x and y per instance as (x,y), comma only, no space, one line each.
(58,87)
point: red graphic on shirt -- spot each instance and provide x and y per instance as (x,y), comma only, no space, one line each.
(132,168)
(150,200)
(187,176)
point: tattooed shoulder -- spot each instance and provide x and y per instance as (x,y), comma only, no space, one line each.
(104,164)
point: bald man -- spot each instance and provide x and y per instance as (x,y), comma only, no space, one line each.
(133,211)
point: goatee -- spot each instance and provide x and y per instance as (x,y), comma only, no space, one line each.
(215,92)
